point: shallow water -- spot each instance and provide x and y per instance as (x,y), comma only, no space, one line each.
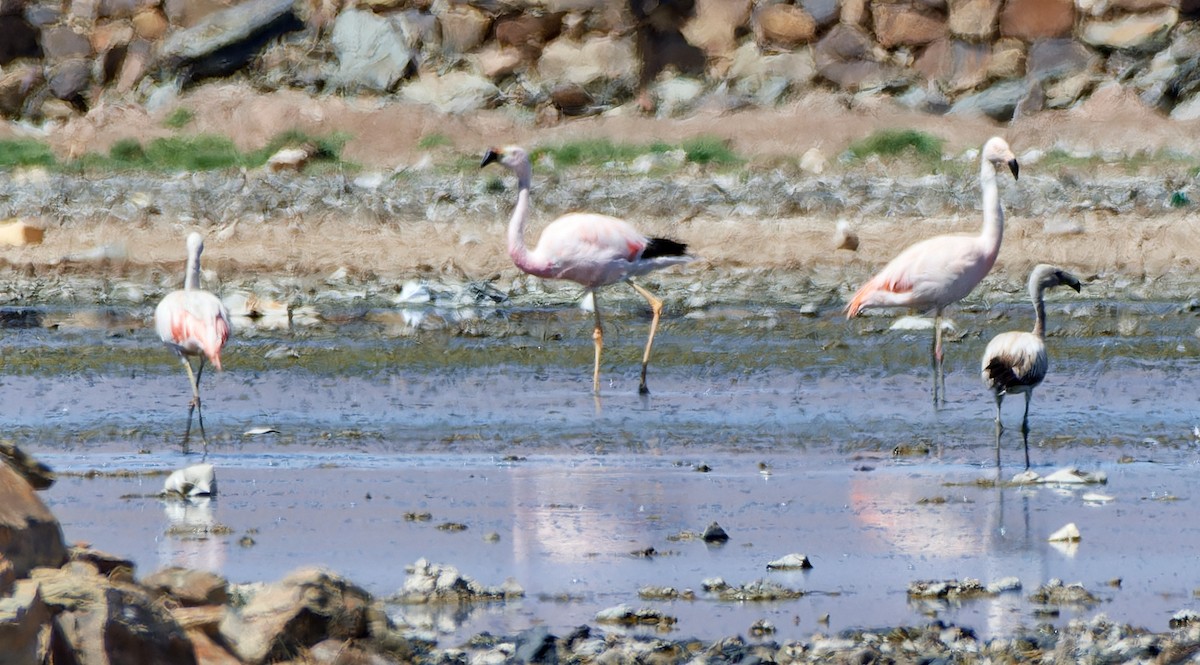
(489,422)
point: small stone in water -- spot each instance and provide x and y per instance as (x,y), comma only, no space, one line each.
(715,534)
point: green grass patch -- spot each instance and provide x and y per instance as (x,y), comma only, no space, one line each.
(206,152)
(896,143)
(179,118)
(434,140)
(25,152)
(598,152)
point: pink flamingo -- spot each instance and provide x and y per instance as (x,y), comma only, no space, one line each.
(193,322)
(1016,362)
(942,270)
(589,249)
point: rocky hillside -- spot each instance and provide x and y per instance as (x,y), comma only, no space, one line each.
(1000,58)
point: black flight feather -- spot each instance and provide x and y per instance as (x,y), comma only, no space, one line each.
(663,247)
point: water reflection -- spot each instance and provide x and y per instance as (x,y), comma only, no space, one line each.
(189,539)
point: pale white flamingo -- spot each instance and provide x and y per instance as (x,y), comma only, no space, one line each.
(1016,362)
(193,322)
(590,249)
(942,270)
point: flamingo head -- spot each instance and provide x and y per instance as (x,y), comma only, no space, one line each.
(997,152)
(511,156)
(1046,276)
(514,158)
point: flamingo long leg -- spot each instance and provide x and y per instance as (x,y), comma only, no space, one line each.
(939,356)
(999,426)
(1025,427)
(656,308)
(195,401)
(199,409)
(598,339)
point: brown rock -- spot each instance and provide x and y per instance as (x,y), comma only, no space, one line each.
(1132,31)
(529,32)
(34,472)
(303,609)
(497,62)
(206,618)
(784,26)
(848,58)
(974,18)
(189,587)
(111,34)
(22,616)
(463,28)
(8,577)
(150,24)
(957,64)
(107,623)
(208,652)
(1037,19)
(16,84)
(135,65)
(189,13)
(854,12)
(1008,59)
(715,25)
(906,24)
(571,99)
(30,536)
(105,564)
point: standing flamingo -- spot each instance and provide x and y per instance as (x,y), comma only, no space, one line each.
(193,322)
(1016,362)
(942,270)
(590,249)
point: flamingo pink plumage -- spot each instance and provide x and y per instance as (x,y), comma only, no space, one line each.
(590,249)
(1016,362)
(942,270)
(193,323)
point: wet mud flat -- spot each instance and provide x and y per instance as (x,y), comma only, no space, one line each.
(794,430)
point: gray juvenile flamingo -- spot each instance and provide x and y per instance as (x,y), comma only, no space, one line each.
(1016,362)
(942,270)
(590,249)
(193,323)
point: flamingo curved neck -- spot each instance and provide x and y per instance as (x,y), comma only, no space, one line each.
(520,254)
(993,214)
(1039,312)
(191,279)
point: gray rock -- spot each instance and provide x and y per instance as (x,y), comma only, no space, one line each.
(1058,58)
(998,102)
(373,53)
(715,534)
(824,12)
(226,40)
(790,562)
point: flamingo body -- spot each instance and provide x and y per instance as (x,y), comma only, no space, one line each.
(194,324)
(940,271)
(595,250)
(1016,362)
(590,249)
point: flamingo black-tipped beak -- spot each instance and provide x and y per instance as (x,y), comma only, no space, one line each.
(1015,168)
(490,156)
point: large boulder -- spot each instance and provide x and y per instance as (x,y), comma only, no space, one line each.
(1140,32)
(103,622)
(305,608)
(30,536)
(23,619)
(226,40)
(372,53)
